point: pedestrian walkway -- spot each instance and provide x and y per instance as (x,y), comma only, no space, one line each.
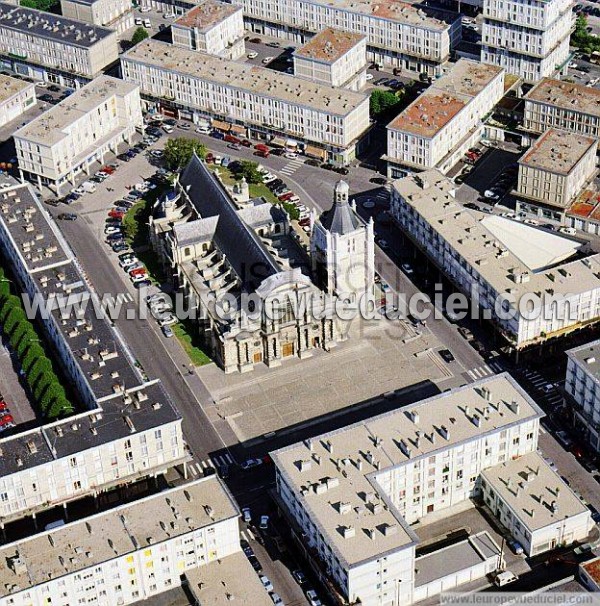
(198,468)
(479,372)
(292,166)
(122,298)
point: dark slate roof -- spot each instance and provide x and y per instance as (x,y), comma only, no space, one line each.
(340,219)
(235,239)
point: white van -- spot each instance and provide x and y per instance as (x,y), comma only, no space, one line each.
(88,187)
(570,231)
(504,578)
(147,23)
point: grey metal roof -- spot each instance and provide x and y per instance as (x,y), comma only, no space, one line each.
(340,218)
(235,239)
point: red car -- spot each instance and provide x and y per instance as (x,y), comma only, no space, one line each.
(3,405)
(246,143)
(261,153)
(261,147)
(232,139)
(109,170)
(286,196)
(304,222)
(116,214)
(6,420)
(138,272)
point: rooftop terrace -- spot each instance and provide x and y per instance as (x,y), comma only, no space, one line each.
(41,24)
(558,151)
(329,45)
(335,474)
(242,76)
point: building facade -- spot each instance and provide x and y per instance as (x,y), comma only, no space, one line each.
(417,39)
(554,171)
(351,495)
(486,258)
(114,14)
(213,27)
(564,105)
(265,102)
(342,248)
(534,503)
(75,135)
(442,123)
(16,97)
(333,57)
(528,38)
(128,554)
(44,46)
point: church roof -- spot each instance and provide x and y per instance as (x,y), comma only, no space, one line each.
(235,239)
(340,218)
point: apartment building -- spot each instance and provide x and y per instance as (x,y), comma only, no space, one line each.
(554,171)
(129,553)
(126,428)
(531,285)
(582,386)
(333,57)
(45,46)
(442,123)
(564,105)
(414,38)
(75,135)
(350,495)
(528,38)
(114,14)
(213,27)
(535,504)
(16,97)
(267,103)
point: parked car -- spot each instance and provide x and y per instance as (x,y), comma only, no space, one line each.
(67,217)
(167,331)
(255,563)
(264,522)
(266,583)
(143,284)
(313,598)
(446,355)
(168,320)
(299,576)
(247,515)
(276,599)
(250,463)
(515,546)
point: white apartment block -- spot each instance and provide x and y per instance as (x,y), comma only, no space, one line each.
(16,97)
(352,493)
(75,135)
(115,14)
(535,504)
(213,27)
(582,384)
(414,38)
(529,38)
(127,554)
(268,103)
(529,284)
(52,47)
(436,129)
(333,57)
(555,169)
(127,428)
(564,105)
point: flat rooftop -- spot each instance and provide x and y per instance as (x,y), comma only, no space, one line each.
(455,558)
(126,529)
(229,579)
(534,492)
(54,124)
(335,474)
(593,569)
(467,77)
(329,45)
(245,77)
(557,151)
(431,195)
(41,24)
(588,357)
(206,15)
(566,95)
(445,98)
(9,87)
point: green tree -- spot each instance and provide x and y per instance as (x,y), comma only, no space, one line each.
(53,393)
(385,102)
(11,302)
(25,341)
(178,152)
(582,39)
(41,5)
(138,35)
(34,351)
(39,389)
(249,170)
(39,367)
(19,331)
(13,319)
(61,407)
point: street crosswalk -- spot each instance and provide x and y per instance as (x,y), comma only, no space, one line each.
(198,468)
(484,371)
(292,166)
(247,535)
(121,298)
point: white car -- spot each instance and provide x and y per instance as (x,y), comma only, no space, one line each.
(139,277)
(269,178)
(247,515)
(264,522)
(369,77)
(252,55)
(167,320)
(128,262)
(277,599)
(138,21)
(266,583)
(157,153)
(167,128)
(145,9)
(250,463)
(112,230)
(313,599)
(531,222)
(407,268)
(570,231)
(160,307)
(267,60)
(491,194)
(147,24)
(41,84)
(290,155)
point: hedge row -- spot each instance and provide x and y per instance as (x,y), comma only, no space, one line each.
(39,374)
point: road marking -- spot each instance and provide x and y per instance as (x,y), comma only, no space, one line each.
(496,366)
(193,471)
(228,458)
(292,166)
(243,535)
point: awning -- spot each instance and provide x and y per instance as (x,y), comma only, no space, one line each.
(240,130)
(315,152)
(291,143)
(220,125)
(277,142)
